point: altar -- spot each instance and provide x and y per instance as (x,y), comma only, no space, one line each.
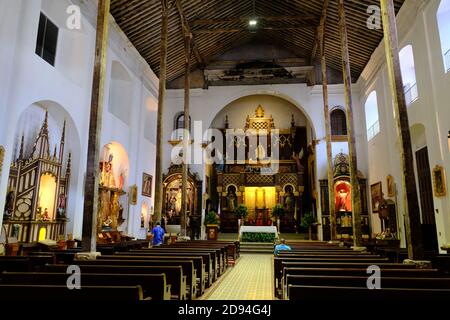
(259,229)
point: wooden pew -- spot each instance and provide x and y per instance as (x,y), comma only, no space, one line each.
(361,272)
(361,281)
(319,262)
(187,266)
(223,249)
(207,261)
(199,266)
(330,294)
(173,274)
(25,263)
(47,293)
(216,255)
(233,247)
(153,286)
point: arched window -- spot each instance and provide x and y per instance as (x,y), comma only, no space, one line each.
(372,118)
(338,122)
(179,126)
(443,19)
(408,74)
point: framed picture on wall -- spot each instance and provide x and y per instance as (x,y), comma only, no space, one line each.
(377,195)
(146,185)
(390,186)
(439,182)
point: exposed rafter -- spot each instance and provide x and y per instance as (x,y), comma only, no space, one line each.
(187,30)
(234,30)
(320,33)
(302,17)
(140,20)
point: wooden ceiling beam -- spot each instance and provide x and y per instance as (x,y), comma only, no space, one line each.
(303,17)
(320,33)
(233,30)
(186,30)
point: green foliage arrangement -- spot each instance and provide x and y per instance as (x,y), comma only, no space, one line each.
(278,211)
(307,220)
(211,218)
(241,211)
(258,237)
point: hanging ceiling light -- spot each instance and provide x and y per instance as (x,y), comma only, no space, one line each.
(253,22)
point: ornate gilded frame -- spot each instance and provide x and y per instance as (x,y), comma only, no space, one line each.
(440,189)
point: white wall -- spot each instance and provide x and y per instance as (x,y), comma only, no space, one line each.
(417,26)
(26,79)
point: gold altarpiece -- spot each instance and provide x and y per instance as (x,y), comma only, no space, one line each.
(252,182)
(36,200)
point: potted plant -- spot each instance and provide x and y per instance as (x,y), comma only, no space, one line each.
(308,220)
(278,213)
(241,212)
(212,225)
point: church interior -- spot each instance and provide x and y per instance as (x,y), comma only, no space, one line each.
(169,149)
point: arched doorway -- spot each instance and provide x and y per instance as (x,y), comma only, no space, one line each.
(425,187)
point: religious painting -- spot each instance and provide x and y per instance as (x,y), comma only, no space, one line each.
(133,194)
(439,181)
(343,196)
(377,196)
(390,186)
(146,185)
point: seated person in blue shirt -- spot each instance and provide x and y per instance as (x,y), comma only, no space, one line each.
(281,246)
(158,235)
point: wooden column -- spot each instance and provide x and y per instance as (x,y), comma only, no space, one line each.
(356,194)
(161,102)
(326,112)
(186,136)
(410,200)
(89,233)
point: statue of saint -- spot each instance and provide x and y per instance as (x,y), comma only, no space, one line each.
(342,204)
(289,199)
(9,205)
(260,153)
(298,159)
(231,198)
(61,206)
(107,223)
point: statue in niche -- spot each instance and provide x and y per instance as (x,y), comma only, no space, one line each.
(342,204)
(289,199)
(106,174)
(231,198)
(9,205)
(61,210)
(298,157)
(260,153)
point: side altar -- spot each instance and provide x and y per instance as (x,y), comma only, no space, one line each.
(35,207)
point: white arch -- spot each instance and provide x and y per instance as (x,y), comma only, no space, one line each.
(57,115)
(248,93)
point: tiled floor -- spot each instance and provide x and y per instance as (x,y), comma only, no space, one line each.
(250,279)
